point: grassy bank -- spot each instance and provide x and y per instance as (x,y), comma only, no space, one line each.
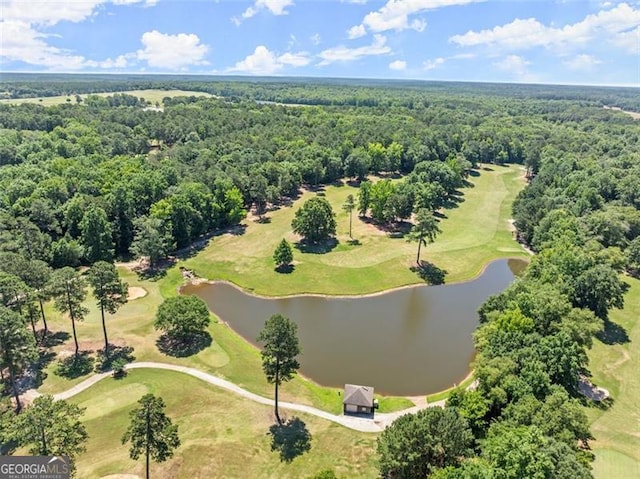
(474,233)
(222,435)
(615,367)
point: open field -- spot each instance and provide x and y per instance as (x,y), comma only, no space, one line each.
(221,434)
(474,233)
(153,96)
(615,367)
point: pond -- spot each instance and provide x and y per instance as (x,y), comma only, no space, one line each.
(410,341)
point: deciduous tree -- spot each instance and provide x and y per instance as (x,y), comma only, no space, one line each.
(416,444)
(315,220)
(182,316)
(96,235)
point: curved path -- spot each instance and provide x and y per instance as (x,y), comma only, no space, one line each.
(381,420)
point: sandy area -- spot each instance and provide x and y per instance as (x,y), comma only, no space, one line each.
(136,292)
(121,476)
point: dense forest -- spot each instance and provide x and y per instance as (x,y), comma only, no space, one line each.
(100,178)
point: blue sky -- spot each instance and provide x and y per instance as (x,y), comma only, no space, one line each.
(540,41)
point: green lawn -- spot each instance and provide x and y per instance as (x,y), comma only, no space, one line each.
(616,367)
(152,96)
(222,434)
(474,233)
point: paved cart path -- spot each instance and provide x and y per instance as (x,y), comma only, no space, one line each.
(379,423)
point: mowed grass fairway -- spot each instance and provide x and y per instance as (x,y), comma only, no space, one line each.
(475,232)
(222,435)
(153,96)
(617,368)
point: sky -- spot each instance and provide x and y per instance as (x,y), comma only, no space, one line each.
(541,41)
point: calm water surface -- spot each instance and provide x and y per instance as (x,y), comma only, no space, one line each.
(411,341)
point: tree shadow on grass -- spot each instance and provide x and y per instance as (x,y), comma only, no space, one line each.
(429,272)
(354,242)
(116,354)
(74,366)
(55,339)
(291,439)
(285,268)
(316,248)
(183,346)
(613,333)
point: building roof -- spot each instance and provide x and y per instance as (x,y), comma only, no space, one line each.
(358,395)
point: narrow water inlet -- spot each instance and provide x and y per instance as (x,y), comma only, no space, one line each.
(410,341)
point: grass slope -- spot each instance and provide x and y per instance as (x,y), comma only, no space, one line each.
(615,367)
(222,435)
(474,233)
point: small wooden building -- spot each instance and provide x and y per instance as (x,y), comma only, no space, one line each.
(358,399)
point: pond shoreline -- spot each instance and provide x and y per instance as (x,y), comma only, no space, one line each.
(199,280)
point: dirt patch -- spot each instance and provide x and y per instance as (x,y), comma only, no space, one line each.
(121,476)
(591,391)
(136,292)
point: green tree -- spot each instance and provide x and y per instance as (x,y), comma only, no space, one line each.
(279,363)
(96,235)
(37,274)
(182,316)
(283,255)
(52,428)
(315,220)
(424,230)
(150,239)
(416,444)
(15,294)
(364,198)
(151,432)
(348,206)
(633,257)
(109,291)
(599,289)
(69,291)
(17,347)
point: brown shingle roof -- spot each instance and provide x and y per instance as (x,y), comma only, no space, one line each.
(358,395)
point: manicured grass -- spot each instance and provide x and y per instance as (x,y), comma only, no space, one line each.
(474,233)
(152,96)
(222,434)
(615,367)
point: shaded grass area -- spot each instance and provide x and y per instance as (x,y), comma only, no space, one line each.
(475,232)
(615,367)
(151,95)
(222,434)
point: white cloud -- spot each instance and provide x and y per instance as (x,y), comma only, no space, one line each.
(394,15)
(398,65)
(276,7)
(24,41)
(344,54)
(629,41)
(264,62)
(433,64)
(611,25)
(172,52)
(582,62)
(356,31)
(316,39)
(48,13)
(516,66)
